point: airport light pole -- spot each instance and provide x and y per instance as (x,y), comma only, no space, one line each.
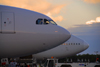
(96,54)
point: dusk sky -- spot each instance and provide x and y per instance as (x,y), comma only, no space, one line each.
(80,17)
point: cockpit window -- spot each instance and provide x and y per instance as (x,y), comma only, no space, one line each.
(51,21)
(42,21)
(46,21)
(39,21)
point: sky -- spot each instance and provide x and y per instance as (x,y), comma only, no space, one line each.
(80,17)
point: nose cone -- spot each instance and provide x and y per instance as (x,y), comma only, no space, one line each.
(64,34)
(67,33)
(86,45)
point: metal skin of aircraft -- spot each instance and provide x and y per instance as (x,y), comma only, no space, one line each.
(24,32)
(71,47)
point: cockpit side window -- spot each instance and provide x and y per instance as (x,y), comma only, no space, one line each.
(46,21)
(39,21)
(42,21)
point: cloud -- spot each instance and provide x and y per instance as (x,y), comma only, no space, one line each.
(41,6)
(92,1)
(94,21)
(58,18)
(54,11)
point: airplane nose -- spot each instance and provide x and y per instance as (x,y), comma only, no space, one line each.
(67,33)
(86,45)
(64,34)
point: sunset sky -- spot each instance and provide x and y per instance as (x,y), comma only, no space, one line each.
(80,17)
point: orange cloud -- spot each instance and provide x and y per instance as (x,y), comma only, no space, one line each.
(58,18)
(92,1)
(41,6)
(56,9)
(94,21)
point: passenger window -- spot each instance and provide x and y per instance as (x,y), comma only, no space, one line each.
(46,21)
(39,21)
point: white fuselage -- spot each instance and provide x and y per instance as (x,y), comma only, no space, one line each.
(71,47)
(21,33)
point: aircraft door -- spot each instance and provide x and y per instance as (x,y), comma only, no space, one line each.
(7,22)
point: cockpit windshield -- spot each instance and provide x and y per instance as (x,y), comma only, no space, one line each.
(51,21)
(44,21)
